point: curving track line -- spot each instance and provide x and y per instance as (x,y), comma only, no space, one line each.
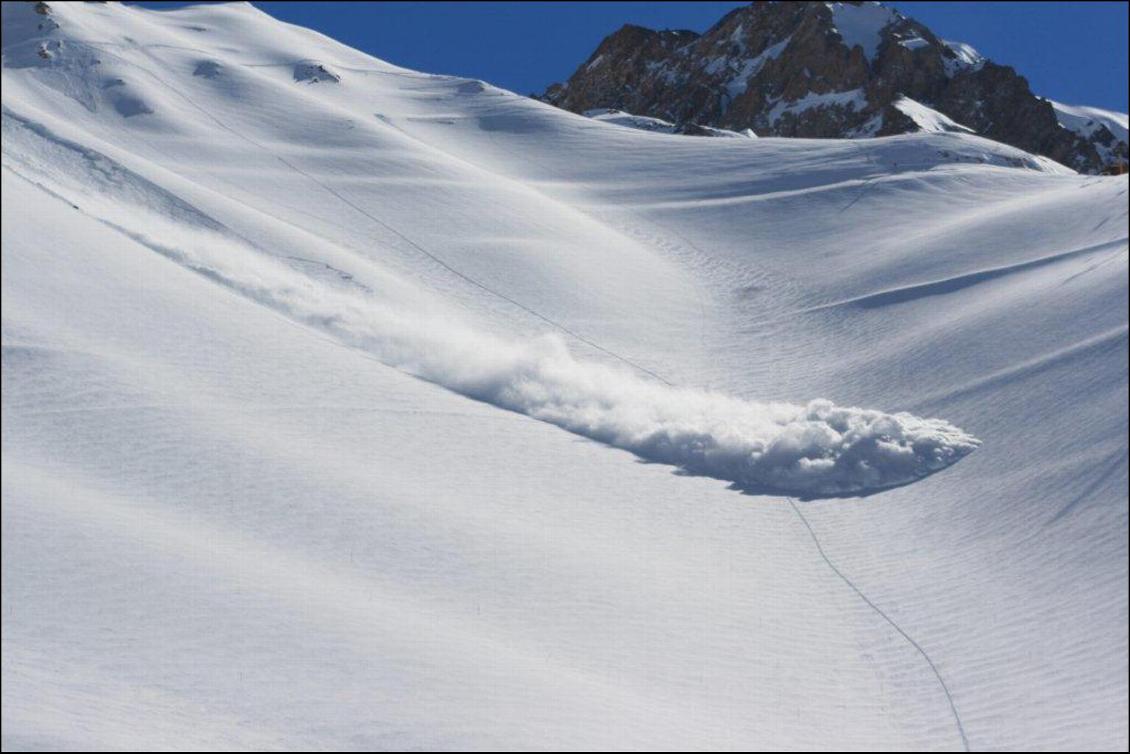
(901,632)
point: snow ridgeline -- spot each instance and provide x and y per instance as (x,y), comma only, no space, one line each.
(817,449)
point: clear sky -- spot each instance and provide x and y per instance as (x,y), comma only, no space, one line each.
(1075,52)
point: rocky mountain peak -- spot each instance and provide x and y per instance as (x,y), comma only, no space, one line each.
(825,70)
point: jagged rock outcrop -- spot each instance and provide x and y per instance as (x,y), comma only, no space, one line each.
(816,69)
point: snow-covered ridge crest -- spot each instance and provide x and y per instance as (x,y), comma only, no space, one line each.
(1106,130)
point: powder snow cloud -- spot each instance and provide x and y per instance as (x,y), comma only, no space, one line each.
(810,449)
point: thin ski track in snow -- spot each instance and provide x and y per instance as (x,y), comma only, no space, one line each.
(891,621)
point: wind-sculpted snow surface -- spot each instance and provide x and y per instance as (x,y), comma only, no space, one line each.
(817,449)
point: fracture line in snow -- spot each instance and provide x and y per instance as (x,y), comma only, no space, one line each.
(464,276)
(434,257)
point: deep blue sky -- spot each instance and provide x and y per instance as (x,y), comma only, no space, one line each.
(1075,52)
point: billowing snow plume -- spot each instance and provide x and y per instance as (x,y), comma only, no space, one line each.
(818,448)
(815,449)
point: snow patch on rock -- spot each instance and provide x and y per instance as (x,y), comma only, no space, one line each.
(914,43)
(1086,120)
(854,99)
(927,118)
(964,58)
(861,25)
(740,80)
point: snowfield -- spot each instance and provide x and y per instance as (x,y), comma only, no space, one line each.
(351,407)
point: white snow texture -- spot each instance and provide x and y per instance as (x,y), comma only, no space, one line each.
(352,407)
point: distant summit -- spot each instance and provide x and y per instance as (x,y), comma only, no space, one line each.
(831,70)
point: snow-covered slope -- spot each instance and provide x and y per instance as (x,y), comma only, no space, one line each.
(280,321)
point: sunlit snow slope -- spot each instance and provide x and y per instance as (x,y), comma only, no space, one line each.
(351,407)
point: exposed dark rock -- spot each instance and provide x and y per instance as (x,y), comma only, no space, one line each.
(313,73)
(815,69)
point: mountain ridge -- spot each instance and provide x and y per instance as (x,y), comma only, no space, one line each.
(826,70)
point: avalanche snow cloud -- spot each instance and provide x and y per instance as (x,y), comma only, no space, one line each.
(813,449)
(816,449)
